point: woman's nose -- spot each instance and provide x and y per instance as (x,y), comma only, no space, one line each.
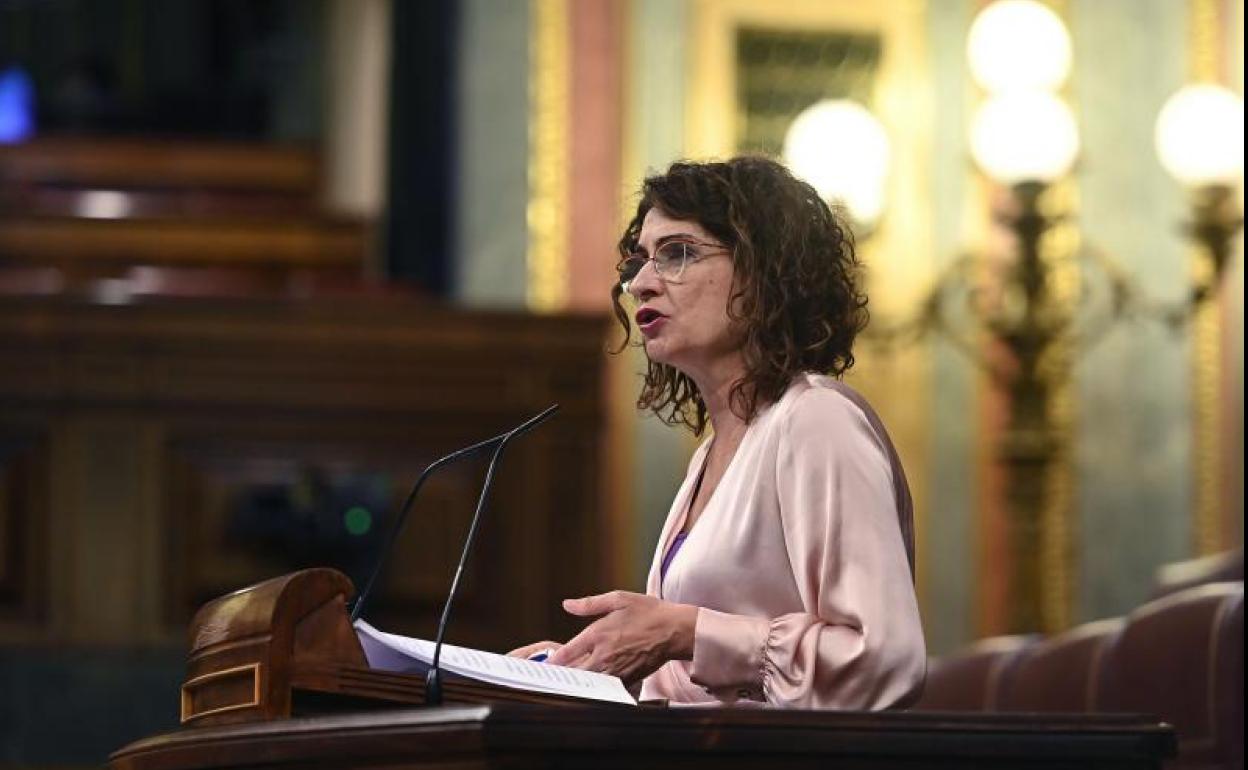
(646,283)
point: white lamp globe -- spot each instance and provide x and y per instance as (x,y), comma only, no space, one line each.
(842,150)
(1024,137)
(1200,135)
(1018,45)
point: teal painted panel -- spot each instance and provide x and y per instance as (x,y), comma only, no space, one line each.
(656,93)
(491,230)
(1134,445)
(657,81)
(947,554)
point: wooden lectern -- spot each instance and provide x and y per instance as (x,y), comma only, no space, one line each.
(276,678)
(285,647)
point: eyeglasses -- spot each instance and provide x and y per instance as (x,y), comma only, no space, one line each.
(670,260)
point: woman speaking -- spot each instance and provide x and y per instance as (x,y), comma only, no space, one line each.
(784,574)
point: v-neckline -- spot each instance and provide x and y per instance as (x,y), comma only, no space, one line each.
(685,527)
(679,525)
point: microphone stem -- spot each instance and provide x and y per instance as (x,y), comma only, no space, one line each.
(433,681)
(397,525)
(463,557)
(433,686)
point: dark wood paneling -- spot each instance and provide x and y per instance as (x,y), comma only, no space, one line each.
(224,415)
(169,164)
(75,242)
(513,736)
(23,524)
(242,505)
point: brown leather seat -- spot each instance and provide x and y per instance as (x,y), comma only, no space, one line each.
(971,679)
(1060,673)
(1216,568)
(1181,657)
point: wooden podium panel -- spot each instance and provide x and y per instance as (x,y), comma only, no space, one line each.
(520,736)
(256,652)
(285,647)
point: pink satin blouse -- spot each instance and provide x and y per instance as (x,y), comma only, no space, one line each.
(801,564)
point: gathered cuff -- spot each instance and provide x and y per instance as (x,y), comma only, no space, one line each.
(730,655)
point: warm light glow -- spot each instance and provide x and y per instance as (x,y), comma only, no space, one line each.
(840,148)
(1018,45)
(1024,137)
(1200,135)
(103,204)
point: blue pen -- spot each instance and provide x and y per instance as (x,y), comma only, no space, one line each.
(540,657)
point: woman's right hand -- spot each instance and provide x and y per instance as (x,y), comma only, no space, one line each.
(529,650)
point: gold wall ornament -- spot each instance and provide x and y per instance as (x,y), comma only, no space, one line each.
(1027,312)
(782,72)
(1030,339)
(549,115)
(1208,530)
(1208,516)
(1059,249)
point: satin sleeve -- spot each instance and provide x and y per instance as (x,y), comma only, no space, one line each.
(857,642)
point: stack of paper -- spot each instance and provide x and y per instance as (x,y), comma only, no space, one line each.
(403,654)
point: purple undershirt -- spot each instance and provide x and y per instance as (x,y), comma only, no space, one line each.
(671,553)
(679,540)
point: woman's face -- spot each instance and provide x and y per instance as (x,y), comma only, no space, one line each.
(684,321)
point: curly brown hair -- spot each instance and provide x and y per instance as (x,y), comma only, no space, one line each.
(795,290)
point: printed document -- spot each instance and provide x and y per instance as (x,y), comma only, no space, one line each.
(403,654)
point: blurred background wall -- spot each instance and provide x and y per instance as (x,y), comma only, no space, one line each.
(262,260)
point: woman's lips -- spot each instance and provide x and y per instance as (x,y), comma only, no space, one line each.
(650,321)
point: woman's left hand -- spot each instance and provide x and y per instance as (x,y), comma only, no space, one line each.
(635,634)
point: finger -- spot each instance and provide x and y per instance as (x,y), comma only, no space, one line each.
(525,651)
(581,663)
(579,646)
(603,664)
(601,604)
(530,650)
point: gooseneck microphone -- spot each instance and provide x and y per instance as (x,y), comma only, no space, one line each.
(433,680)
(500,440)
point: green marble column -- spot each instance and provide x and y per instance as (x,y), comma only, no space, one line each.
(490,230)
(655,90)
(948,549)
(1134,411)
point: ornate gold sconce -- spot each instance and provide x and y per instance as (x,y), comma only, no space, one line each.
(1200,141)
(1017,317)
(1026,138)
